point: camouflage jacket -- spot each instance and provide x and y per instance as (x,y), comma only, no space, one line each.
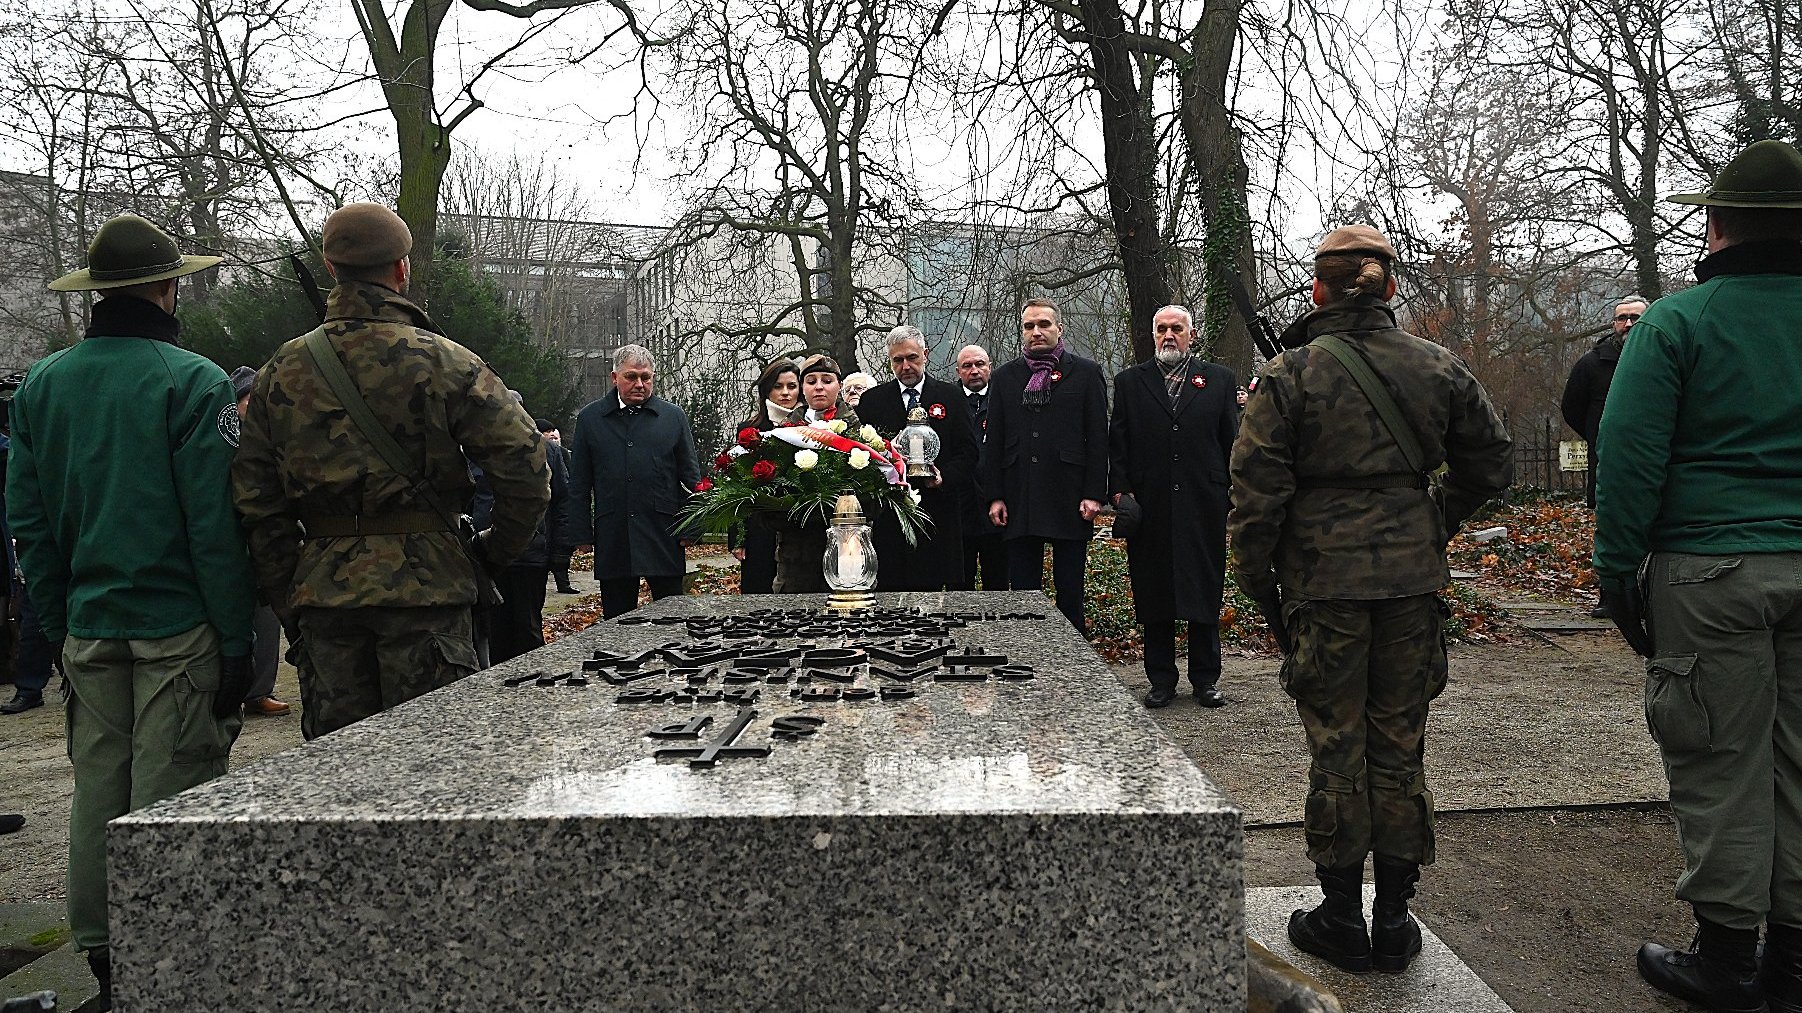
(302,458)
(1309,437)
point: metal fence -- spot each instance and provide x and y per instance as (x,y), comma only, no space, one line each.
(1536,459)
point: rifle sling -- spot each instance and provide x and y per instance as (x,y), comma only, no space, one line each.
(1380,399)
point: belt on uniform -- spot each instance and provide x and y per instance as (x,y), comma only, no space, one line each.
(1387,480)
(397,522)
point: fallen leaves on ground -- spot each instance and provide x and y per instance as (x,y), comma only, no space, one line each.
(1545,555)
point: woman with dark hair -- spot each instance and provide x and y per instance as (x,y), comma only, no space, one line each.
(773,397)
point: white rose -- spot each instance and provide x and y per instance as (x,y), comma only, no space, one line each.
(914,494)
(877,442)
(836,425)
(806,459)
(859,459)
(869,435)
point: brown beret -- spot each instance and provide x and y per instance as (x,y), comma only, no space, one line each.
(820,364)
(365,235)
(1363,239)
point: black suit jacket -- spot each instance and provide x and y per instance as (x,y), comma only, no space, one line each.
(1174,460)
(937,561)
(1044,461)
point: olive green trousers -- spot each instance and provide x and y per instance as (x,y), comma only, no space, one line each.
(140,728)
(1724,702)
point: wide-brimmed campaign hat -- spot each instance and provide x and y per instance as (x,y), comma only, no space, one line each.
(1767,174)
(130,251)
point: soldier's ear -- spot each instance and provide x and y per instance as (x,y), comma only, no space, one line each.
(1389,289)
(1319,293)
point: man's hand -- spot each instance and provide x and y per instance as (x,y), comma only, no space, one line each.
(1628,610)
(935,481)
(234,684)
(998,514)
(1089,508)
(738,554)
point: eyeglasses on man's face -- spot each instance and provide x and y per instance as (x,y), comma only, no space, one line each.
(1626,316)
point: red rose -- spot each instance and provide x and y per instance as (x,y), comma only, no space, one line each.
(748,438)
(703,485)
(722,462)
(763,471)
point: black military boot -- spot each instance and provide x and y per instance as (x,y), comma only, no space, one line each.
(1335,931)
(1394,934)
(1780,974)
(100,961)
(1719,971)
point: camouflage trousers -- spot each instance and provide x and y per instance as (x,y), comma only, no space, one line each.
(1361,674)
(358,662)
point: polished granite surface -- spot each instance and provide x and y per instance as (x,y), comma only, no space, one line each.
(1069,740)
(1024,844)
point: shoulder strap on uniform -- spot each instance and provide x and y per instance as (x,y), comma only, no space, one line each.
(324,359)
(1379,398)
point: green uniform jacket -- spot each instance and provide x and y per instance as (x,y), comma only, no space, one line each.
(304,458)
(1702,435)
(1309,436)
(118,490)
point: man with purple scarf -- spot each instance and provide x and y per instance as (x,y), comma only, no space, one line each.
(1044,465)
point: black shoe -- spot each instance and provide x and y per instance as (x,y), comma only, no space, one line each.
(565,589)
(1719,971)
(1780,973)
(100,961)
(11,823)
(1335,930)
(1208,696)
(1159,697)
(1598,613)
(1394,934)
(22,701)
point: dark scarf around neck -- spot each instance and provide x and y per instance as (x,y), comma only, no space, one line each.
(127,316)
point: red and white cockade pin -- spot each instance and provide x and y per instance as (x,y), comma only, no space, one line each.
(936,411)
(1056,375)
(1199,381)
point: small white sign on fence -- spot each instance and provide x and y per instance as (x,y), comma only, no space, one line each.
(1573,455)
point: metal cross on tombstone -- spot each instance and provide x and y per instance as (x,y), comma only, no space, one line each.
(720,748)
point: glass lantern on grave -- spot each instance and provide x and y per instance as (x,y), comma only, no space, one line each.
(919,444)
(850,558)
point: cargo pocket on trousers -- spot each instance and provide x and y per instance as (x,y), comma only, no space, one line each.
(1675,713)
(1320,822)
(1439,670)
(455,658)
(199,737)
(1292,675)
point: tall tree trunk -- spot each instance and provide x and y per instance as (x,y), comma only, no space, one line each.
(1130,147)
(1218,162)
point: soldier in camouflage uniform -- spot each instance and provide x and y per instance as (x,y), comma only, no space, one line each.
(367,569)
(1342,545)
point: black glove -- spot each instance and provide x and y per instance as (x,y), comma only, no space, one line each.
(1271,609)
(234,685)
(1628,610)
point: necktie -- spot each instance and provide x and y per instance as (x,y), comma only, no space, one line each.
(913,399)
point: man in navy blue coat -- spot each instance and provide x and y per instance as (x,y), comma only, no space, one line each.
(632,467)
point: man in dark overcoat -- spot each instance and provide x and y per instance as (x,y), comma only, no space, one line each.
(936,561)
(1044,465)
(632,467)
(1169,447)
(984,548)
